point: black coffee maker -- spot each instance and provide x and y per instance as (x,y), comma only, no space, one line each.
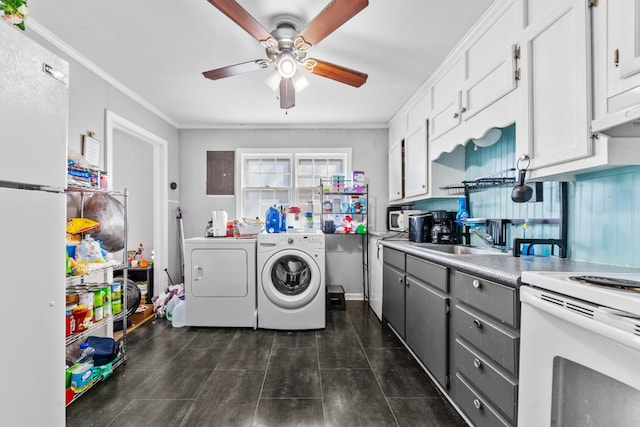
(420,227)
(444,229)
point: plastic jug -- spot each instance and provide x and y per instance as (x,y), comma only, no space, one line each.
(171,305)
(273,220)
(178,318)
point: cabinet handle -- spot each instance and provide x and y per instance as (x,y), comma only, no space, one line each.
(477,404)
(477,363)
(616,57)
(476,284)
(400,280)
(464,110)
(477,323)
(456,115)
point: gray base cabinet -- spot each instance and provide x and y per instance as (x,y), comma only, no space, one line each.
(416,304)
(463,328)
(485,345)
(393,295)
(427,328)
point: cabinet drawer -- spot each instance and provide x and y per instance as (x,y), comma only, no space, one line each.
(481,413)
(427,272)
(394,258)
(496,300)
(500,389)
(497,343)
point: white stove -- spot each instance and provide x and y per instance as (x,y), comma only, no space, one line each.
(577,339)
(611,296)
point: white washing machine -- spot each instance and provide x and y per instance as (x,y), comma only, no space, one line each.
(220,282)
(291,281)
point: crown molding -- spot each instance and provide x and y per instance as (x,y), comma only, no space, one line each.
(44,32)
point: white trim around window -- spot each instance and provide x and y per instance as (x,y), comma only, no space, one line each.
(285,177)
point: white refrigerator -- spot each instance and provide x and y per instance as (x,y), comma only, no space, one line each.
(34,98)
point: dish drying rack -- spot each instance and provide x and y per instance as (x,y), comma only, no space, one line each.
(503,178)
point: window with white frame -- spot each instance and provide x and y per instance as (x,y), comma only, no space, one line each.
(286,178)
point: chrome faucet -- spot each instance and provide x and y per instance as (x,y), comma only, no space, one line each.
(485,237)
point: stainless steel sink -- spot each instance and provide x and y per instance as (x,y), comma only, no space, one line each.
(460,249)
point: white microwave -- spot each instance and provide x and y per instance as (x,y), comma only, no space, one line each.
(399,220)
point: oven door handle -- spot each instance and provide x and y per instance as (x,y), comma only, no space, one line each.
(533,297)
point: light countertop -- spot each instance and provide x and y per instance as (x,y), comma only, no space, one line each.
(503,268)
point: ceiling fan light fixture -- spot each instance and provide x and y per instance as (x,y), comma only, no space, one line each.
(273,79)
(300,81)
(287,65)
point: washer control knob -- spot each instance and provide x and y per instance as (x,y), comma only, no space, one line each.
(290,240)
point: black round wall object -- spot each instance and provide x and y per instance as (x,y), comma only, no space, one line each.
(173,185)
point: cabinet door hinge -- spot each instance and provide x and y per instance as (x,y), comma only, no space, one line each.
(616,57)
(516,52)
(447,381)
(447,307)
(594,3)
(516,75)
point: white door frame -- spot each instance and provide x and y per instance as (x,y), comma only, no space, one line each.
(160,174)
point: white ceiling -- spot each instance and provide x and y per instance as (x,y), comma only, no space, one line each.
(158,49)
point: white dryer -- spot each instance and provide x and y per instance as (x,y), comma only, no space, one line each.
(220,282)
(291,281)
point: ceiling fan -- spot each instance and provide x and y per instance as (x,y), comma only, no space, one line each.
(287,47)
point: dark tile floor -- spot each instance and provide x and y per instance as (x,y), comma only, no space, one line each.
(353,373)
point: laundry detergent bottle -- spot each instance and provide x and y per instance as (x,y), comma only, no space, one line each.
(273,220)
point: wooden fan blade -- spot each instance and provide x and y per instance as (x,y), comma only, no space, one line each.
(287,94)
(340,74)
(240,16)
(236,69)
(330,18)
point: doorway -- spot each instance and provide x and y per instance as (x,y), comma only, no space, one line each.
(151,189)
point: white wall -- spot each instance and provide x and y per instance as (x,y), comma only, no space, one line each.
(134,171)
(369,153)
(89,97)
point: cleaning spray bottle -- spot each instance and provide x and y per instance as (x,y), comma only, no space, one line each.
(527,249)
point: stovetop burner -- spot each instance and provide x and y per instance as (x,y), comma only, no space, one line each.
(609,282)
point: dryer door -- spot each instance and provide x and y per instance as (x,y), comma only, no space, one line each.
(291,278)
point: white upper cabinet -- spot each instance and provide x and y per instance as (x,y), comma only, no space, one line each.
(616,64)
(468,92)
(397,132)
(417,114)
(416,162)
(491,62)
(415,149)
(445,97)
(395,172)
(555,104)
(628,23)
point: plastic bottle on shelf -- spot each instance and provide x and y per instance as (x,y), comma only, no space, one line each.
(463,213)
(86,354)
